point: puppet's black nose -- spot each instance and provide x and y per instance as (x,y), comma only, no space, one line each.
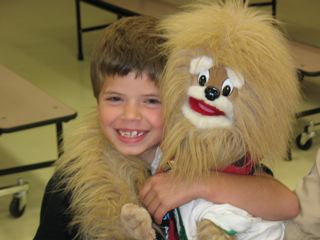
(211,93)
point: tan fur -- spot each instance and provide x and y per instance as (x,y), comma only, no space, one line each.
(136,222)
(101,181)
(246,41)
(208,231)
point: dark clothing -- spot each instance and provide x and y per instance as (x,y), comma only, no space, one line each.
(54,216)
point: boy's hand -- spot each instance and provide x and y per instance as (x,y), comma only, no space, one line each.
(164,192)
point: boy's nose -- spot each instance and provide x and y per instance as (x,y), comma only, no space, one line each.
(132,112)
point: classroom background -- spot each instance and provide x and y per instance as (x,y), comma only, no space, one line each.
(38,42)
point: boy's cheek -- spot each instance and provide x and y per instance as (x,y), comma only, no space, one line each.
(157,120)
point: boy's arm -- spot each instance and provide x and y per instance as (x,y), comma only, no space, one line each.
(260,195)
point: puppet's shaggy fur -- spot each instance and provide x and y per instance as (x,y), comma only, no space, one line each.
(99,180)
(229,89)
(262,107)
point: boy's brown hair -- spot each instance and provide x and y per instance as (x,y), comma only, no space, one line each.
(129,44)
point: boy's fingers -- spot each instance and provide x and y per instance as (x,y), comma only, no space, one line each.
(148,199)
(145,190)
(158,216)
(152,206)
(157,209)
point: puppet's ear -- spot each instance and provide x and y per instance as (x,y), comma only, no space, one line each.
(236,78)
(200,64)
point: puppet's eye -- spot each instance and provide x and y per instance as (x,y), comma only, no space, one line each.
(227,87)
(203,77)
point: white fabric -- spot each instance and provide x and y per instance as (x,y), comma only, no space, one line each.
(226,216)
(156,161)
(229,218)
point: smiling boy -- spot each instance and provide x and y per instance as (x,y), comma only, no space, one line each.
(130,114)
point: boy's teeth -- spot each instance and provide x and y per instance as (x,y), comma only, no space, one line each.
(130,134)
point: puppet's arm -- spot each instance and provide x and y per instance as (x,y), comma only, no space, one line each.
(137,222)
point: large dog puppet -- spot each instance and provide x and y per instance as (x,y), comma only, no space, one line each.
(229,92)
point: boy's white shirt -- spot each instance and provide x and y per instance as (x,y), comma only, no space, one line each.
(156,161)
(226,216)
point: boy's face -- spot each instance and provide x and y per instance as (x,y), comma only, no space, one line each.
(130,114)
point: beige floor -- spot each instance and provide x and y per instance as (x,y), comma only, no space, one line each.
(38,41)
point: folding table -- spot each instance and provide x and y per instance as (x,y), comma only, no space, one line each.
(24,106)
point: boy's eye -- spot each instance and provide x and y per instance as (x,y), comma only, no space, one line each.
(113,99)
(152,101)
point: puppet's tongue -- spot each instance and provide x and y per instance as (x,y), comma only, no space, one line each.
(201,107)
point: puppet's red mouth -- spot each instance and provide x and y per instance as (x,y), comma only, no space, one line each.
(201,107)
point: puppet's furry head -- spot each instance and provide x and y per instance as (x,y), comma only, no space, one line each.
(229,87)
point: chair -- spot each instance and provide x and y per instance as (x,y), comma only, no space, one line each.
(308,61)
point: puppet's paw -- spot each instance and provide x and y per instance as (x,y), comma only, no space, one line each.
(137,222)
(207,230)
